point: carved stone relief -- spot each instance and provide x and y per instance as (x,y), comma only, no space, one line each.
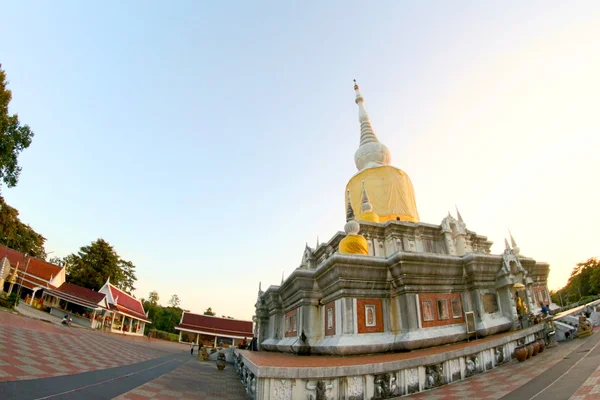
(319,389)
(385,386)
(355,388)
(412,380)
(282,389)
(499,355)
(455,370)
(434,376)
(472,365)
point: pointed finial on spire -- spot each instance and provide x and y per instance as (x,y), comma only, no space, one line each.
(317,243)
(506,245)
(512,239)
(371,152)
(516,248)
(349,210)
(282,277)
(259,286)
(460,219)
(366,204)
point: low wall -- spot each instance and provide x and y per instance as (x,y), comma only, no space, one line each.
(413,372)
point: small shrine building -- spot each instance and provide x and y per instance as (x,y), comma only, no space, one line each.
(211,331)
(28,275)
(127,312)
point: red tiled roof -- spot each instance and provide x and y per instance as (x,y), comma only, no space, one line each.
(129,302)
(125,310)
(82,293)
(32,282)
(39,268)
(224,326)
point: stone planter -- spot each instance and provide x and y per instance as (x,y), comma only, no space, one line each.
(221,363)
(521,353)
(529,351)
(536,348)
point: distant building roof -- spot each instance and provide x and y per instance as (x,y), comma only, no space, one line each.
(79,295)
(209,325)
(124,303)
(35,272)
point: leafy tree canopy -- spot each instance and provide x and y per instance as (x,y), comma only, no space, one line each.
(174,302)
(153,297)
(584,281)
(17,235)
(97,262)
(14,137)
(209,311)
(163,318)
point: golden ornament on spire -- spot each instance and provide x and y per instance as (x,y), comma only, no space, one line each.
(353,243)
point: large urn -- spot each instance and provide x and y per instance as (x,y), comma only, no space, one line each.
(542,345)
(529,351)
(521,353)
(536,347)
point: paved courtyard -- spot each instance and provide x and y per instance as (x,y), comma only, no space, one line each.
(74,363)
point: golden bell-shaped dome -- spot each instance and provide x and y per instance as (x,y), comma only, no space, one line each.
(354,244)
(391,194)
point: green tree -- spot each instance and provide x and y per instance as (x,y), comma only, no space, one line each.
(209,311)
(153,298)
(97,262)
(14,137)
(17,235)
(174,302)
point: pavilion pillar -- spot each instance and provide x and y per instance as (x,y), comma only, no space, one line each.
(232,342)
(33,297)
(130,325)
(215,341)
(197,337)
(112,322)
(93,324)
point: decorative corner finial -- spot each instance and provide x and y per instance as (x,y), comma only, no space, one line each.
(349,210)
(516,248)
(506,245)
(366,203)
(512,239)
(460,218)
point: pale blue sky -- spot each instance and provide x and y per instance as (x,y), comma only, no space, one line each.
(208,143)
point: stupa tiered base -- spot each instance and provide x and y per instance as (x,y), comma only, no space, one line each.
(284,376)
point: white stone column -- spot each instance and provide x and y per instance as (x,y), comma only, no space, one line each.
(215,341)
(197,337)
(130,325)
(33,297)
(93,324)
(112,323)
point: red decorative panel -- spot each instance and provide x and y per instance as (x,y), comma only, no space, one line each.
(330,319)
(369,314)
(439,309)
(291,323)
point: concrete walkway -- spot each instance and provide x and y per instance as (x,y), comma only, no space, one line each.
(102,384)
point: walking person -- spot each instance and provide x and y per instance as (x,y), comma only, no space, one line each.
(192,348)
